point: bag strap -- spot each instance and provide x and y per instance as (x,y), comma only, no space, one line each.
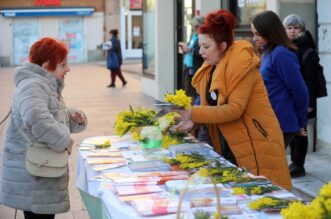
(30,143)
(305,54)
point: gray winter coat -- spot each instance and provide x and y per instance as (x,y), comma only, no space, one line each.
(39,110)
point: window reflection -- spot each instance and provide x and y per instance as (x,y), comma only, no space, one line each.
(247,9)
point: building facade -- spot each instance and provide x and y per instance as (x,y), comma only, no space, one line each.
(83,25)
(79,24)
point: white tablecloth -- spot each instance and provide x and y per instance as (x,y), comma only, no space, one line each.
(116,209)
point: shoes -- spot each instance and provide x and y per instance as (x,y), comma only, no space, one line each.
(111,85)
(124,83)
(296,171)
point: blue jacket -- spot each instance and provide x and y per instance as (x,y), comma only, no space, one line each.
(286,88)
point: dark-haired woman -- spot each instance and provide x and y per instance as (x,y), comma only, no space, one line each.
(280,70)
(115,48)
(234,102)
(39,115)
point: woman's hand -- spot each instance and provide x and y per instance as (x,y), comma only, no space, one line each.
(302,132)
(184,47)
(186,124)
(77,117)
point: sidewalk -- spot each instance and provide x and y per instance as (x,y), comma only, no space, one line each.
(128,66)
(318,173)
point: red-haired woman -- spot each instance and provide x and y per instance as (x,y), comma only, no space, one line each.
(234,102)
(39,115)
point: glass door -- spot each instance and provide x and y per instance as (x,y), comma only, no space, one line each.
(133,38)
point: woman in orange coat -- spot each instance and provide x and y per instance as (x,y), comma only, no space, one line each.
(234,103)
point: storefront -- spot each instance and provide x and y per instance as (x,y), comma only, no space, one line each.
(131,29)
(23,23)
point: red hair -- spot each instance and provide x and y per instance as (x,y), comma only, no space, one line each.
(219,25)
(48,49)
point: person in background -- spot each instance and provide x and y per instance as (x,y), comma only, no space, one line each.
(296,31)
(234,103)
(116,48)
(38,109)
(280,70)
(192,58)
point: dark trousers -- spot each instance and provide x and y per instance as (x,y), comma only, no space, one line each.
(114,73)
(31,215)
(299,147)
(288,138)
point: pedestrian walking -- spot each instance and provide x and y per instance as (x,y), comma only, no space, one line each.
(114,59)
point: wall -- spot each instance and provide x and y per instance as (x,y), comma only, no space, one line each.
(94,35)
(164,52)
(324,104)
(6,44)
(206,6)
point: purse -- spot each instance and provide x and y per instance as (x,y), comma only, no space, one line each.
(112,61)
(42,161)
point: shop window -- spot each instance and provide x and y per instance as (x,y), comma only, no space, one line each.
(245,10)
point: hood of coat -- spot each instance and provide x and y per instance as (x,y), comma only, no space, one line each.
(30,71)
(305,40)
(230,69)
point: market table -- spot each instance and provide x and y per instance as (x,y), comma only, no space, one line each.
(102,203)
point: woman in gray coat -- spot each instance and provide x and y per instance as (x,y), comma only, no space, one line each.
(39,115)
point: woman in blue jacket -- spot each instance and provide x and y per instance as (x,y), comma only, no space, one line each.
(281,74)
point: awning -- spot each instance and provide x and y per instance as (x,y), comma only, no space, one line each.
(38,12)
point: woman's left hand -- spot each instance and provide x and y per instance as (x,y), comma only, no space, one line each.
(77,117)
(302,132)
(186,124)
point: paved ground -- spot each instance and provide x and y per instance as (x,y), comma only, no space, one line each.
(86,89)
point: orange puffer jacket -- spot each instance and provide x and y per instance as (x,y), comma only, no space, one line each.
(243,114)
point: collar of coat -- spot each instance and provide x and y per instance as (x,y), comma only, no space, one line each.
(238,61)
(29,70)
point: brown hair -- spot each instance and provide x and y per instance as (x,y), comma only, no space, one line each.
(219,25)
(270,27)
(48,49)
(114,32)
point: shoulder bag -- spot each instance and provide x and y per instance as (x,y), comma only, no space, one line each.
(42,161)
(112,60)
